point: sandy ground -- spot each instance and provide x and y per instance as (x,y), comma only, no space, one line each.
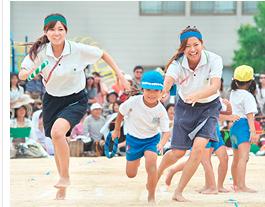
(102,182)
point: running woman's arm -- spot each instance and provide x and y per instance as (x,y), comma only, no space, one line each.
(109,60)
(168,82)
(205,92)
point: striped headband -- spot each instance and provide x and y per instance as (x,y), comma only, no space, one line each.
(55,18)
(189,34)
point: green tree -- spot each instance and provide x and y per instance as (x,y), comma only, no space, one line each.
(252,43)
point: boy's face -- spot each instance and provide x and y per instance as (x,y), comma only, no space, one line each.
(151,96)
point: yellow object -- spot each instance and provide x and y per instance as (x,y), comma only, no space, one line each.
(244,73)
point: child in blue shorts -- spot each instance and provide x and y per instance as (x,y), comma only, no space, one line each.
(243,131)
(217,147)
(143,117)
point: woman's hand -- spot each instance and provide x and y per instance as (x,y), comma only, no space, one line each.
(192,99)
(164,96)
(23,74)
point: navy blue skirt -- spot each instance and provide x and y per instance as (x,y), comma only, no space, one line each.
(72,108)
(197,121)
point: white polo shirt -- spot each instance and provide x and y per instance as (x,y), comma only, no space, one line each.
(68,76)
(142,121)
(243,103)
(189,81)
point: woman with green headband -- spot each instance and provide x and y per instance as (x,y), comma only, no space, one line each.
(197,74)
(65,101)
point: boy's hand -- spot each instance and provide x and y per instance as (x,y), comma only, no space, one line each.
(254,138)
(115,134)
(160,147)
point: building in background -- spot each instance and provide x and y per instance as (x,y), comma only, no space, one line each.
(140,33)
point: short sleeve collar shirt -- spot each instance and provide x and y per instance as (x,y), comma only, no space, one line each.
(68,77)
(189,81)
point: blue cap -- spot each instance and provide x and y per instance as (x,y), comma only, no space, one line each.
(152,80)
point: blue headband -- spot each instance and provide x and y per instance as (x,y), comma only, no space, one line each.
(188,34)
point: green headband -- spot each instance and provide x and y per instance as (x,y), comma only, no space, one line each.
(54,18)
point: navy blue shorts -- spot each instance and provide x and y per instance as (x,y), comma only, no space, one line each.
(136,147)
(197,121)
(72,108)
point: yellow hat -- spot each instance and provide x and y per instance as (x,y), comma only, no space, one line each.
(244,73)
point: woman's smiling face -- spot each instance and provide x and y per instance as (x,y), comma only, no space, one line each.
(193,50)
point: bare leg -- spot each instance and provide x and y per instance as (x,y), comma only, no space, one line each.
(234,169)
(222,168)
(169,159)
(176,168)
(190,167)
(210,185)
(132,168)
(151,169)
(243,150)
(59,129)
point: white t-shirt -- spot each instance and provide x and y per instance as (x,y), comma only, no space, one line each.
(243,103)
(189,81)
(142,121)
(68,77)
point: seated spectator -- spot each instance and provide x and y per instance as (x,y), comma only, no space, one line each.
(92,125)
(78,129)
(16,91)
(170,113)
(37,105)
(111,98)
(21,120)
(39,136)
(101,88)
(35,88)
(109,127)
(91,90)
(261,93)
(138,72)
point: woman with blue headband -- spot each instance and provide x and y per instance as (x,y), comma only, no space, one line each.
(65,101)
(197,74)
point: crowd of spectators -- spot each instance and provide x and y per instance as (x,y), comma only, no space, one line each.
(26,125)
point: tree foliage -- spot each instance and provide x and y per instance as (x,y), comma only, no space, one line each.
(252,43)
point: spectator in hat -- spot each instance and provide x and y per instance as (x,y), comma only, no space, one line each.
(93,123)
(111,98)
(22,110)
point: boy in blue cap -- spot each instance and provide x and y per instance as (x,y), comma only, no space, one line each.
(144,116)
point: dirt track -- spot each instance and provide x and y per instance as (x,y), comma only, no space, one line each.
(102,182)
